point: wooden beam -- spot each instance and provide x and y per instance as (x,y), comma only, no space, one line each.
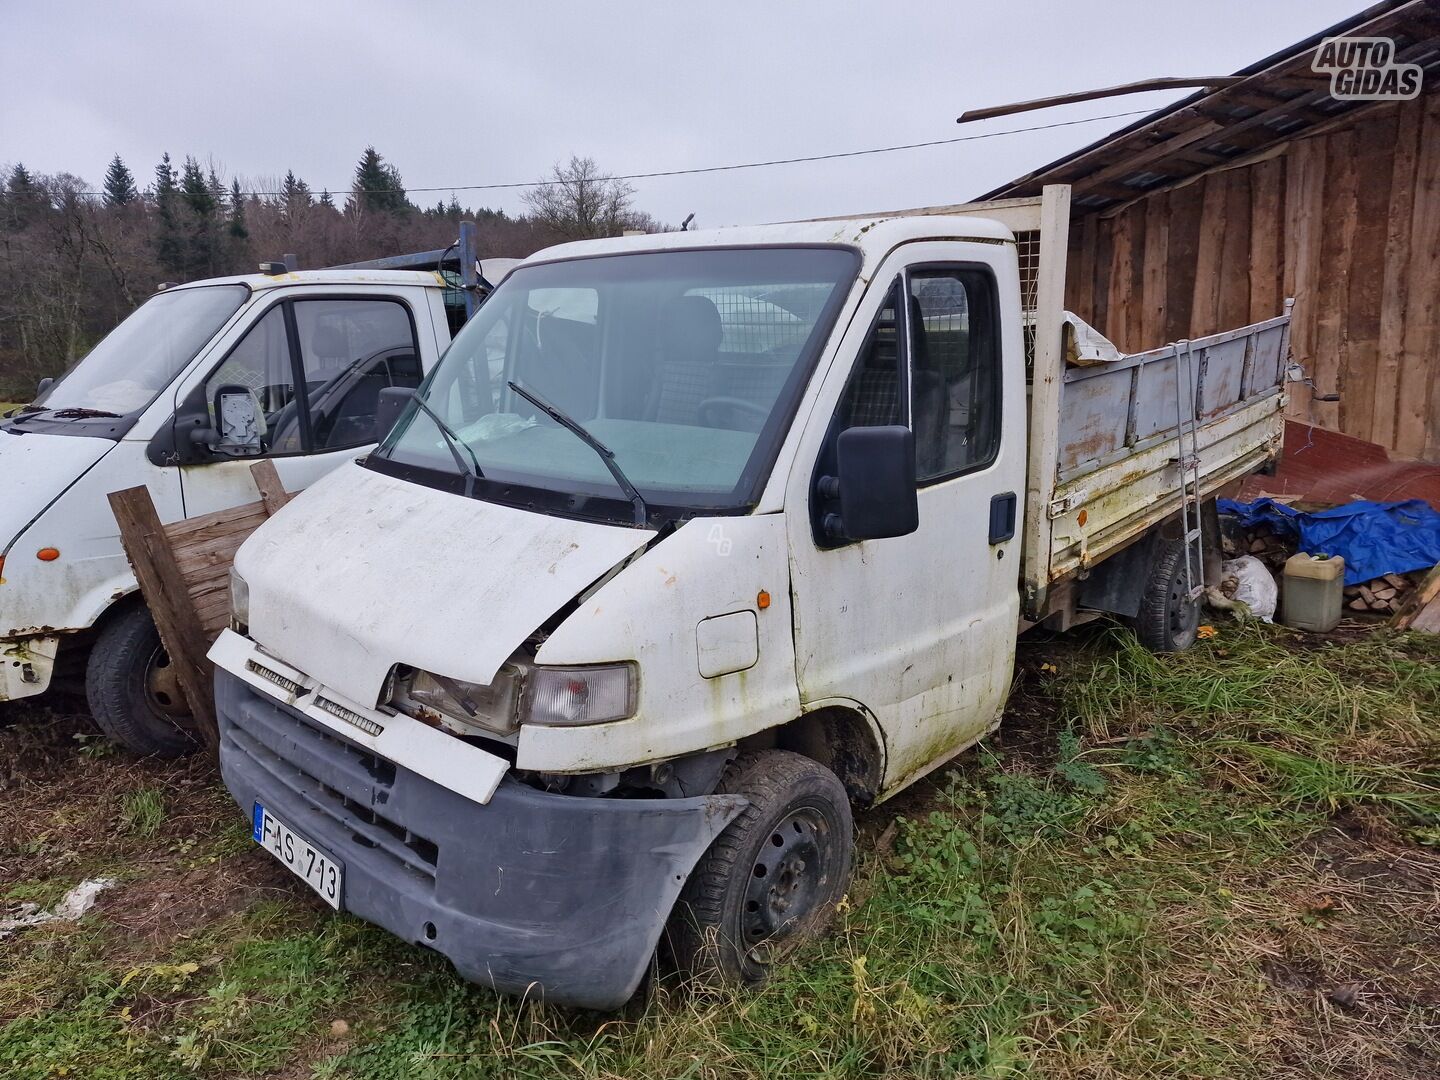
(1394,291)
(1422,310)
(146,546)
(268,483)
(1141,87)
(1375,152)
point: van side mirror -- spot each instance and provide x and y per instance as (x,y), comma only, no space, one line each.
(43,385)
(391,404)
(876,485)
(240,425)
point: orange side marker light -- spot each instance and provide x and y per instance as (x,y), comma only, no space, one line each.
(48,554)
(762,599)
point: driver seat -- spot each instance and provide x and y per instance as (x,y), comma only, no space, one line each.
(689,370)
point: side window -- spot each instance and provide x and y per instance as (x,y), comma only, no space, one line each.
(876,395)
(261,362)
(954,371)
(350,350)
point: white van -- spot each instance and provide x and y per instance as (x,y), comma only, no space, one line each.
(313,350)
(744,535)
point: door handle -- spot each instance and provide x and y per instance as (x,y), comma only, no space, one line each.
(1002,517)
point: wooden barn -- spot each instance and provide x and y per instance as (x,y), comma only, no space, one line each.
(1210,212)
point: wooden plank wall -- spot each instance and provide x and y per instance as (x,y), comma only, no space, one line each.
(1347,221)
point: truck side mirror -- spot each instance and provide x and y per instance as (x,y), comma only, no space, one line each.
(240,425)
(388,408)
(876,485)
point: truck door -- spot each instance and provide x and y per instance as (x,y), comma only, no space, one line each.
(920,629)
(316,365)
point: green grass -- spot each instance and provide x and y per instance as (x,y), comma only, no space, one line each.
(143,811)
(1133,881)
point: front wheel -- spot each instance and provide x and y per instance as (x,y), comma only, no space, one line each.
(771,880)
(132,690)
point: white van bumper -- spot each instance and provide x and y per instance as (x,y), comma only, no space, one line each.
(26,665)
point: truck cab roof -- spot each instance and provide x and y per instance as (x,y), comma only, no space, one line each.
(873,237)
(257,282)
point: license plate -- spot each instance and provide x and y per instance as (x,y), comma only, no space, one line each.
(305,860)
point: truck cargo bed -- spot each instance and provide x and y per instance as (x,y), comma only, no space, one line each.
(1117,471)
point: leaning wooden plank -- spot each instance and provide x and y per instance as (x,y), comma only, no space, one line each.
(150,554)
(272,491)
(1419,602)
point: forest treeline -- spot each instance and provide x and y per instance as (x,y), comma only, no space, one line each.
(76,259)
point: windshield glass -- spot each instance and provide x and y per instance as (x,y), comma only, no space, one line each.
(685,365)
(142,355)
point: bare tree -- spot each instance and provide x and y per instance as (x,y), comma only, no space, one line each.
(579,202)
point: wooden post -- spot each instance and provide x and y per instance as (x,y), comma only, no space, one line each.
(148,550)
(267,482)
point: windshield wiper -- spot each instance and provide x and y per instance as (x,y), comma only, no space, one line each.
(606,454)
(77,412)
(472,471)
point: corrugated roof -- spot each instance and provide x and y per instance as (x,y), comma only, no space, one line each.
(1278,98)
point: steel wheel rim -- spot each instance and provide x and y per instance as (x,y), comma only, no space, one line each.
(788,881)
(1184,614)
(162,686)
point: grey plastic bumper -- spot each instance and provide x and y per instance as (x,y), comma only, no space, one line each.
(534,893)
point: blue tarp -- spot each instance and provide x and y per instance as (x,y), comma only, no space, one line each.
(1373,538)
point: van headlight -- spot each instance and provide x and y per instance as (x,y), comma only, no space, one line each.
(239,603)
(569,696)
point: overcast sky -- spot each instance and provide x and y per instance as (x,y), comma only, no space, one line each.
(471,93)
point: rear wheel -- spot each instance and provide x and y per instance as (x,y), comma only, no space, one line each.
(1168,620)
(132,690)
(771,880)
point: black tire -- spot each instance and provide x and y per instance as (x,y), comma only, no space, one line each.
(771,880)
(1168,620)
(130,697)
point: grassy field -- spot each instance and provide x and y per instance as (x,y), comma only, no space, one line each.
(1224,864)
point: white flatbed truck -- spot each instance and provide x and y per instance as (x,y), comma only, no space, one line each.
(603,653)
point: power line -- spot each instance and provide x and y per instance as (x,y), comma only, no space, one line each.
(731,168)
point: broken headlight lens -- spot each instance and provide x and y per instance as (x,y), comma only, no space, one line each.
(239,603)
(493,706)
(565,696)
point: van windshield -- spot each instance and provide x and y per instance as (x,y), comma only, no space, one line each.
(686,365)
(142,356)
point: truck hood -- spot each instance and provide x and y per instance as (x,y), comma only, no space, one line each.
(35,470)
(364,571)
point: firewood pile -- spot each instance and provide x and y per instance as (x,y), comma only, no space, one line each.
(1383,596)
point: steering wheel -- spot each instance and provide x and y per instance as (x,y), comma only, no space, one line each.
(708,409)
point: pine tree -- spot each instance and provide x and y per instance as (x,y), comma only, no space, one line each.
(202,232)
(120,187)
(378,185)
(169,249)
(24,198)
(326,199)
(295,198)
(237,227)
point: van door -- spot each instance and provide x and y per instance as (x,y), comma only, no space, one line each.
(920,629)
(316,365)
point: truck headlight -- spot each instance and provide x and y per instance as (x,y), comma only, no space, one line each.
(490,706)
(565,696)
(239,603)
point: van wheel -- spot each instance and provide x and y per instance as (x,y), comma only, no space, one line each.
(132,690)
(1168,620)
(771,880)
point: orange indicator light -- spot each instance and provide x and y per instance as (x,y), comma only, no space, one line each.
(762,599)
(48,554)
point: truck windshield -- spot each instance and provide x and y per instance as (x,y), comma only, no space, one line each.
(686,365)
(141,356)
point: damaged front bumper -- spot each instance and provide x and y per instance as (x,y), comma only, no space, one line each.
(532,893)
